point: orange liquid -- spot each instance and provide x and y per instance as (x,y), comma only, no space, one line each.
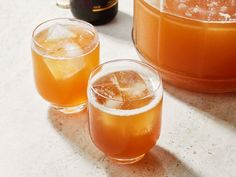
(124,136)
(63,82)
(190,53)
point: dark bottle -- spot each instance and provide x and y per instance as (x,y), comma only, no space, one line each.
(97,12)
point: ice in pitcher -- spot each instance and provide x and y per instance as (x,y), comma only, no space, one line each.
(214,10)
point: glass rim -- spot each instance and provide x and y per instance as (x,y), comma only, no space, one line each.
(143,64)
(95,41)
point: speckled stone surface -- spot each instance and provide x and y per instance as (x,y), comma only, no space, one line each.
(198,131)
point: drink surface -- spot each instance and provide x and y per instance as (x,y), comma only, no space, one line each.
(125,114)
(189,39)
(63,59)
(214,10)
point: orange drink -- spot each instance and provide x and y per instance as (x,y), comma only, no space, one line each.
(64,53)
(191,42)
(125,105)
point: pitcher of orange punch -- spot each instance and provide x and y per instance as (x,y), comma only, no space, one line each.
(192,43)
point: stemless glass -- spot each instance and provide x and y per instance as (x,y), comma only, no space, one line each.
(64,52)
(125,105)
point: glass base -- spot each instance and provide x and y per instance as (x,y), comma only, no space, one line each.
(126,161)
(70,110)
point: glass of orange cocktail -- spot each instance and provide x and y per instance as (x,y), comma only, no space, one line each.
(64,52)
(191,42)
(125,105)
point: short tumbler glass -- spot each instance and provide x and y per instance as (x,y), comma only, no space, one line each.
(64,53)
(125,105)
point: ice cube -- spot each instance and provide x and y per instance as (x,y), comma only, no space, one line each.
(107,92)
(72,50)
(57,32)
(131,85)
(64,69)
(224,9)
(113,103)
(225,16)
(105,80)
(182,7)
(212,4)
(138,90)
(196,9)
(188,14)
(122,90)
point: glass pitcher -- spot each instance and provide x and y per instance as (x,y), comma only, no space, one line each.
(191,42)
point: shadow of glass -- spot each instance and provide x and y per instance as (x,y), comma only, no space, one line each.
(74,128)
(120,27)
(158,162)
(171,164)
(220,106)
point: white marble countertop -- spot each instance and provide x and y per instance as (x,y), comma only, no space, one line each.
(198,131)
